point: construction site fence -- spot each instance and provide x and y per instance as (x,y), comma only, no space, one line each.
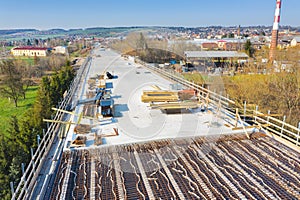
(227,106)
(30,175)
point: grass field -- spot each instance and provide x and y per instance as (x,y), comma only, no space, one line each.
(8,109)
(29,60)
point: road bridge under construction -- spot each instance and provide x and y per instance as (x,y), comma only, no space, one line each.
(131,135)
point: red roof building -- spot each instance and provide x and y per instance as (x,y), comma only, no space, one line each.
(30,51)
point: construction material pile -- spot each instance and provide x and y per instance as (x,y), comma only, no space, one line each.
(82,129)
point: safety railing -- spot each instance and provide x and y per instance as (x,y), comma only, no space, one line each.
(228,107)
(30,175)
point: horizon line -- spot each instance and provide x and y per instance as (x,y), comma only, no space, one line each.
(149,26)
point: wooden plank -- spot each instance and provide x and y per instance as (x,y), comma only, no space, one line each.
(156,87)
(247,127)
(261,115)
(159,92)
(177,105)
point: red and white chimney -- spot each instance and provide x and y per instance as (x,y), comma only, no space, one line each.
(274,40)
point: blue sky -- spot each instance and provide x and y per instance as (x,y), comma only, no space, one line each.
(46,14)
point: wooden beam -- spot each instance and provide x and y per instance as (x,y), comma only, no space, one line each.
(261,115)
(57,121)
(64,111)
(156,87)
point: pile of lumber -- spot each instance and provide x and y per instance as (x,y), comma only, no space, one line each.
(82,129)
(159,96)
(79,141)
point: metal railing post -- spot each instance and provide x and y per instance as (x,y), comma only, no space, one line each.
(298,134)
(245,110)
(31,152)
(283,122)
(33,163)
(12,190)
(23,168)
(256,111)
(268,117)
(38,140)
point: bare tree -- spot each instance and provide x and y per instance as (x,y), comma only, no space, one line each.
(56,62)
(179,47)
(11,86)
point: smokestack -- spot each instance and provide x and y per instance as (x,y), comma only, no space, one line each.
(274,40)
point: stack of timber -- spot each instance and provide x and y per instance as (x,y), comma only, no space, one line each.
(79,141)
(82,129)
(175,105)
(159,96)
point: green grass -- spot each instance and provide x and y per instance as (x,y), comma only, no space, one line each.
(195,77)
(6,48)
(8,109)
(29,60)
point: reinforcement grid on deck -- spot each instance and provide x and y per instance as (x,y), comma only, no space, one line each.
(227,167)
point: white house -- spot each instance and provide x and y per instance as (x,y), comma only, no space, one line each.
(295,41)
(60,50)
(30,51)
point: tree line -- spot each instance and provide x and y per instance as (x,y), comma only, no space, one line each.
(278,92)
(21,136)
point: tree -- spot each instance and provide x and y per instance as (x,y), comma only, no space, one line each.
(5,191)
(44,101)
(36,42)
(286,89)
(21,135)
(141,42)
(28,42)
(248,48)
(12,86)
(14,171)
(14,150)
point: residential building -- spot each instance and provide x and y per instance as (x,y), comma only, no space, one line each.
(209,46)
(60,50)
(295,42)
(30,51)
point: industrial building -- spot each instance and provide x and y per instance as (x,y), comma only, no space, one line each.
(208,61)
